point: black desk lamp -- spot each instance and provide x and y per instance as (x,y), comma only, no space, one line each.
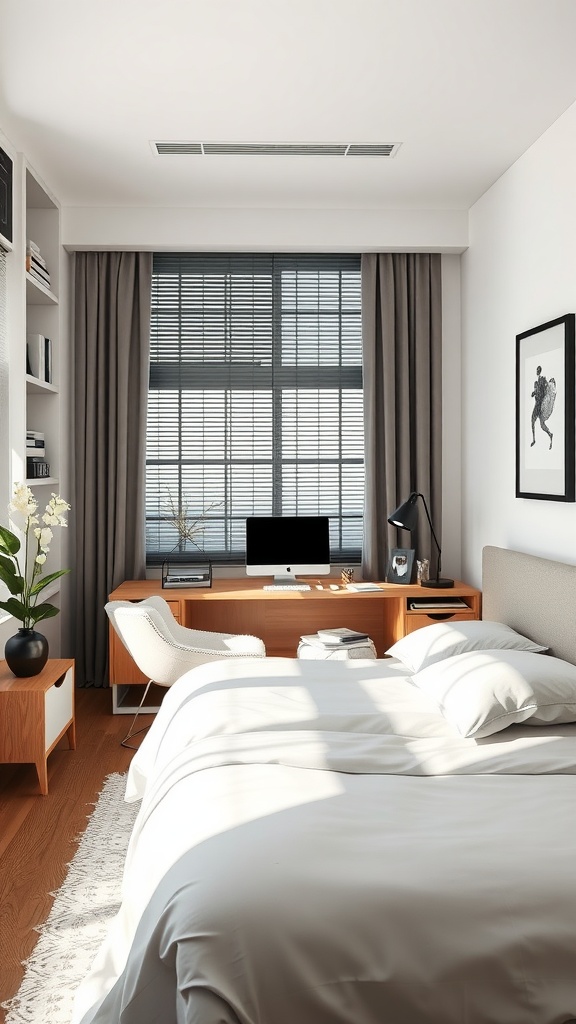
(406,518)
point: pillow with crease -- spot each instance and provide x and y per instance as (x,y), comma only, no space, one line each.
(483,692)
(430,644)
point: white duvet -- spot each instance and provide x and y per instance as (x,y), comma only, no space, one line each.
(316,845)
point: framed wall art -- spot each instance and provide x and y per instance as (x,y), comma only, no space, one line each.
(5,196)
(545,385)
(401,565)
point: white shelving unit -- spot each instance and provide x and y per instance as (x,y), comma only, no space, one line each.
(43,316)
(29,403)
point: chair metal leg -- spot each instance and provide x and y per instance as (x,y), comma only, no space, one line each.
(130,734)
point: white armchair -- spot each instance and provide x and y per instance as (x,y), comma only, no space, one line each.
(163,649)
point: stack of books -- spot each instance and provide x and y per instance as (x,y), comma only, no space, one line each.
(334,639)
(36,264)
(36,465)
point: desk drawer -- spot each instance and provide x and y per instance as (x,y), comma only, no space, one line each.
(417,620)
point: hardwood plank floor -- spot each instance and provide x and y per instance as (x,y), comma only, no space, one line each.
(38,833)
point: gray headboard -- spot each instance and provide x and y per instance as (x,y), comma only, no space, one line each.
(535,596)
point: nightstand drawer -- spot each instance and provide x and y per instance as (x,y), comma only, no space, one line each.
(35,712)
(419,619)
(58,708)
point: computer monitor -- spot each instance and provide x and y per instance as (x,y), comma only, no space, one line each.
(287,546)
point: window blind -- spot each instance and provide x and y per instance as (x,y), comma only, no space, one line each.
(255,400)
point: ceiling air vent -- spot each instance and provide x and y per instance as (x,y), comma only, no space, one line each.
(374,149)
(178,148)
(341,149)
(271,149)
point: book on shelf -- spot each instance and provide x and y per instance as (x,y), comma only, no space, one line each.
(35,451)
(40,276)
(35,349)
(33,259)
(47,360)
(32,245)
(341,635)
(39,356)
(314,640)
(35,435)
(435,603)
(36,467)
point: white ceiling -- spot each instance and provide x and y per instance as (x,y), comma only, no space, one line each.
(465,86)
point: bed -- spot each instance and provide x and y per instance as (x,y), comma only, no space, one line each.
(361,842)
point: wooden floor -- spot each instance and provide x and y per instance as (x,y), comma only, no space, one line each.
(38,833)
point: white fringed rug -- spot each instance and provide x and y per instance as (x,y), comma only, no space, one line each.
(82,910)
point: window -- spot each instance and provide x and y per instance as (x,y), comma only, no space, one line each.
(255,400)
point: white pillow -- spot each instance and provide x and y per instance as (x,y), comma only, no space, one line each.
(430,644)
(482,692)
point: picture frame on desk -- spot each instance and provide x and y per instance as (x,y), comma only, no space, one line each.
(401,566)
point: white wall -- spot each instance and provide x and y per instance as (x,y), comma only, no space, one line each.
(451,419)
(518,272)
(264,230)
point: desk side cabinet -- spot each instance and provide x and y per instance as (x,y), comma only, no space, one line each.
(412,619)
(35,713)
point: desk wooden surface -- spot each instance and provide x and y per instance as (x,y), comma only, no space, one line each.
(281,617)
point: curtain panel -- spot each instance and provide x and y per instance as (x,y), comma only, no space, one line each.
(402,372)
(111,367)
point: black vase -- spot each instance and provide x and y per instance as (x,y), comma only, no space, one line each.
(26,652)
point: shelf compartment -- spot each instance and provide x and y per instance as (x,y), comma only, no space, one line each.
(37,294)
(35,386)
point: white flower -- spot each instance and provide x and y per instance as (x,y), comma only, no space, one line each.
(54,509)
(58,504)
(44,537)
(25,604)
(23,501)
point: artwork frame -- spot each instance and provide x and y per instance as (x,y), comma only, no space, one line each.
(6,196)
(401,566)
(545,404)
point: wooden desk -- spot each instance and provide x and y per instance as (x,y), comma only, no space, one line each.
(280,617)
(35,713)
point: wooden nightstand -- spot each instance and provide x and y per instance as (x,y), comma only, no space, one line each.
(34,715)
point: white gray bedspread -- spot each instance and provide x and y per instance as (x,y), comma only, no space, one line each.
(315,845)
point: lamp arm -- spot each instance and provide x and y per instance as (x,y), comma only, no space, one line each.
(438,573)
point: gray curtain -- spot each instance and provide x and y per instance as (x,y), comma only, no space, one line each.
(111,352)
(402,368)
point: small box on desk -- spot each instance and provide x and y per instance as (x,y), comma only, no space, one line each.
(186,574)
